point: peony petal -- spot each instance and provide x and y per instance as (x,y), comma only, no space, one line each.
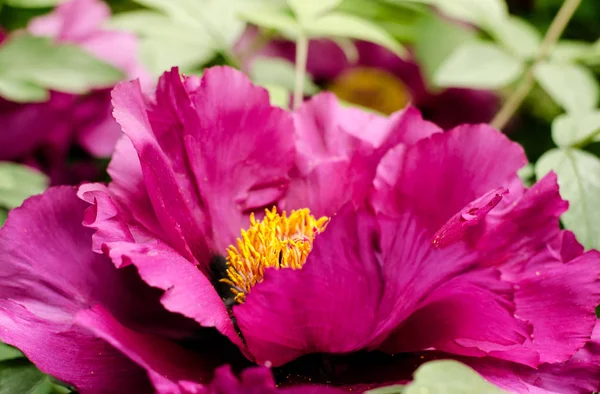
(202,183)
(187,290)
(324,307)
(240,148)
(70,353)
(440,175)
(556,286)
(168,365)
(345,145)
(436,296)
(49,274)
(172,194)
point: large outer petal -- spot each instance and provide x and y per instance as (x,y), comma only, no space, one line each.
(207,159)
(556,286)
(579,375)
(49,275)
(440,175)
(338,150)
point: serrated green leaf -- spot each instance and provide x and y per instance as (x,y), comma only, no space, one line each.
(29,63)
(518,36)
(279,72)
(449,377)
(307,10)
(18,182)
(478,65)
(337,24)
(578,129)
(31,3)
(579,180)
(571,86)
(20,376)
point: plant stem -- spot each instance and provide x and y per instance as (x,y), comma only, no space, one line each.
(514,101)
(301,59)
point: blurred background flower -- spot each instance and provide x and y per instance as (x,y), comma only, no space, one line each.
(62,134)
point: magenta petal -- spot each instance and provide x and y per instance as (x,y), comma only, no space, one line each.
(48,275)
(440,175)
(556,286)
(325,306)
(187,290)
(579,375)
(70,353)
(338,150)
(173,196)
(240,148)
(167,365)
(208,159)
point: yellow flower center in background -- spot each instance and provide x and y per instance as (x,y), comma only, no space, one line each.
(371,88)
(277,241)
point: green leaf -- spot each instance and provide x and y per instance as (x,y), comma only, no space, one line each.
(566,51)
(580,129)
(18,182)
(579,180)
(8,352)
(184,33)
(396,389)
(19,376)
(31,3)
(518,37)
(280,72)
(29,63)
(307,10)
(271,19)
(22,91)
(278,96)
(571,86)
(435,39)
(527,174)
(449,377)
(337,24)
(3,216)
(479,12)
(478,65)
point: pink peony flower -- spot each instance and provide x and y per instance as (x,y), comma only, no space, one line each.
(43,134)
(385,243)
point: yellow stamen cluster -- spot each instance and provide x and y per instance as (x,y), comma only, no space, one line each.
(277,241)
